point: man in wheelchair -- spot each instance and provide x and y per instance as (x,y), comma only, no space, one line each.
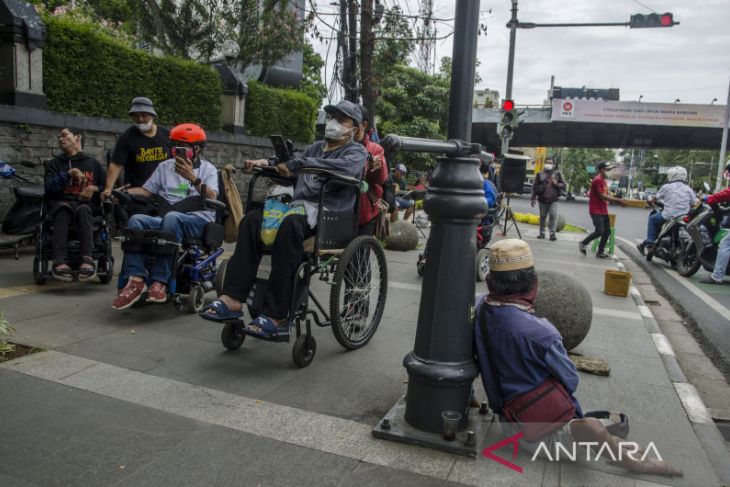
(177,182)
(72,182)
(340,153)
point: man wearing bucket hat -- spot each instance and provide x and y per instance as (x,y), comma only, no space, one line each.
(519,353)
(139,149)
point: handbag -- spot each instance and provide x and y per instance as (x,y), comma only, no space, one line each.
(538,412)
(235,207)
(382,226)
(274,213)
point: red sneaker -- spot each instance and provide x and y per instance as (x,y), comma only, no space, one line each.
(157,293)
(130,294)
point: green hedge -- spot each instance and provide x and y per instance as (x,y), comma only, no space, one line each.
(89,73)
(279,111)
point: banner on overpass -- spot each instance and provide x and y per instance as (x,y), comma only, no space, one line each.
(635,113)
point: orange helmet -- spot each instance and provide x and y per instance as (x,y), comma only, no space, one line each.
(188,132)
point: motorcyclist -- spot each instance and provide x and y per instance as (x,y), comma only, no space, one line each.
(723,248)
(677,198)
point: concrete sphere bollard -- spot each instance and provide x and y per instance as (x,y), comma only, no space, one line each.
(402,236)
(560,224)
(565,302)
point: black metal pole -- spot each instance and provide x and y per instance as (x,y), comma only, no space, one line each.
(510,66)
(441,367)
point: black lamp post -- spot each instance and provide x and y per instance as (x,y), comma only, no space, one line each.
(441,367)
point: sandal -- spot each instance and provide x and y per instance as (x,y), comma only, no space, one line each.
(86,273)
(266,328)
(62,272)
(218,311)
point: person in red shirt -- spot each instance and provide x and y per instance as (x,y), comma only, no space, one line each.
(598,208)
(376,172)
(723,248)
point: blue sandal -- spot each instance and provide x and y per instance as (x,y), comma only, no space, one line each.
(221,312)
(267,328)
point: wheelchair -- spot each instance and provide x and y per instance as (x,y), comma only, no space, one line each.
(484,236)
(195,271)
(102,248)
(351,268)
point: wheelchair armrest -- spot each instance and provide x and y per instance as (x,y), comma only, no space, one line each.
(272,173)
(215,205)
(331,175)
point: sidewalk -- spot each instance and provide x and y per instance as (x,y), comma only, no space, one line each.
(150,397)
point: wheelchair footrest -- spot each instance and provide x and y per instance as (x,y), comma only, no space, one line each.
(242,327)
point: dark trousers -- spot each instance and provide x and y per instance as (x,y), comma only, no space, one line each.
(81,216)
(602,229)
(286,256)
(368,228)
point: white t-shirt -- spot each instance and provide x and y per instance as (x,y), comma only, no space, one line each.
(170,185)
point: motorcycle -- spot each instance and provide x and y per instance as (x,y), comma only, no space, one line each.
(22,220)
(706,231)
(671,240)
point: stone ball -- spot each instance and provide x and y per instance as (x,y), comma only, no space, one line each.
(402,236)
(560,223)
(566,303)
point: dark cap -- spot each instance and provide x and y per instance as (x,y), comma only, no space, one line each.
(142,104)
(346,108)
(606,165)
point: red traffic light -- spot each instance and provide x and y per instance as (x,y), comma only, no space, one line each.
(641,21)
(508,105)
(666,20)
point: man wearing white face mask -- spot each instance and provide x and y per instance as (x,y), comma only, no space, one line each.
(340,153)
(139,149)
(547,188)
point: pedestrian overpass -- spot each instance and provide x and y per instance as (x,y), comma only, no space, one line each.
(605,124)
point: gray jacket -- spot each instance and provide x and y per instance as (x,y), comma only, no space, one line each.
(348,160)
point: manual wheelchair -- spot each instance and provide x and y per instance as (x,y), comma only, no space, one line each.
(194,270)
(351,268)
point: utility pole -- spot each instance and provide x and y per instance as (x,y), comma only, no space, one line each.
(723,144)
(342,45)
(366,58)
(351,90)
(510,64)
(427,35)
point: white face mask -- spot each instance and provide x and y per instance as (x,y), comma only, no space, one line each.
(144,127)
(335,131)
(549,167)
(726,175)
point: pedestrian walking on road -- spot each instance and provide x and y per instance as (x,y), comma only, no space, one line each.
(723,249)
(598,208)
(549,184)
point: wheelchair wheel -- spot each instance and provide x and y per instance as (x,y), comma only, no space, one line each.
(231,336)
(305,347)
(196,298)
(358,293)
(482,264)
(220,276)
(105,269)
(40,271)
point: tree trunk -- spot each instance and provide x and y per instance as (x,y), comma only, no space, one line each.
(366,59)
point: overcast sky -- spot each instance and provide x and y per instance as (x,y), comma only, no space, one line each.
(690,61)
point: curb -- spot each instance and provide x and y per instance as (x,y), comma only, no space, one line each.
(699,417)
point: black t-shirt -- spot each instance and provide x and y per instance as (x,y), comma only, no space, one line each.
(58,185)
(139,154)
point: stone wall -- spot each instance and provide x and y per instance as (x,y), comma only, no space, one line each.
(30,134)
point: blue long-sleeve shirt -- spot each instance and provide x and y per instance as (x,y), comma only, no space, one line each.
(527,350)
(490,193)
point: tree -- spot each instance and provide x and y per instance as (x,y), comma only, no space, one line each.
(265,30)
(574,162)
(311,83)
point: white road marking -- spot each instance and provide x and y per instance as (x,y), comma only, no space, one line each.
(692,402)
(662,344)
(645,311)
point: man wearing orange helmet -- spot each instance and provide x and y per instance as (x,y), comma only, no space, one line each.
(174,180)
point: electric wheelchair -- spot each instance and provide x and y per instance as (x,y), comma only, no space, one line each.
(350,268)
(102,248)
(195,270)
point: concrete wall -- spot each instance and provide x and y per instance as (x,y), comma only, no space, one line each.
(30,134)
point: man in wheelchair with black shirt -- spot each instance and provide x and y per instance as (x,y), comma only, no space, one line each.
(338,153)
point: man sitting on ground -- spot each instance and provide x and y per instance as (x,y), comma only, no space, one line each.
(174,180)
(527,350)
(399,185)
(340,153)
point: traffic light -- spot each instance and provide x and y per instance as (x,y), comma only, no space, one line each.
(507,120)
(641,21)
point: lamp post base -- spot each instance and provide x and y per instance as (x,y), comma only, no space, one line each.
(394,427)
